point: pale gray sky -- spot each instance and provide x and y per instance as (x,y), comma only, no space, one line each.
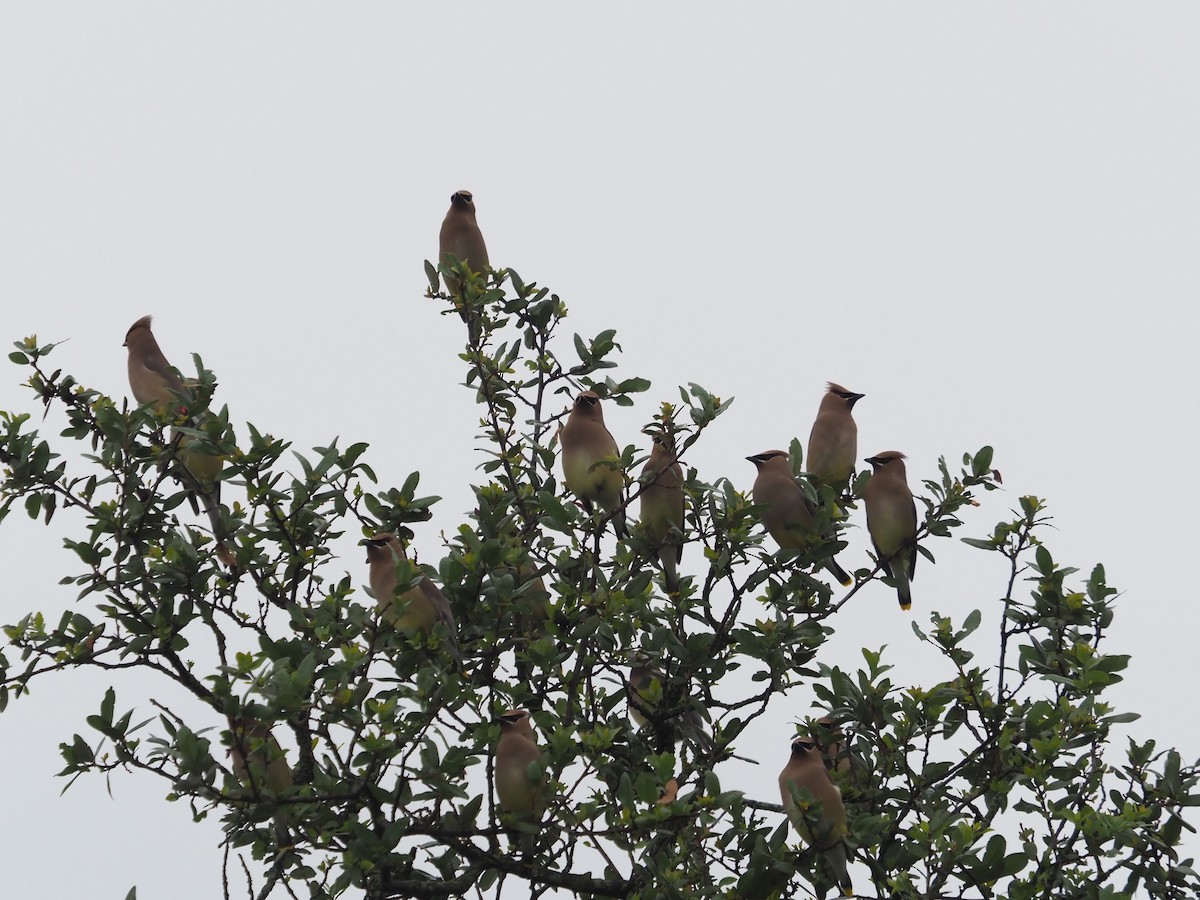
(984,218)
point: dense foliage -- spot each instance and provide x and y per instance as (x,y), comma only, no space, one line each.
(1003,779)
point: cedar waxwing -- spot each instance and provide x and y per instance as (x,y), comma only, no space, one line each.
(461,236)
(814,805)
(151,377)
(520,792)
(892,520)
(787,515)
(591,460)
(533,606)
(529,614)
(645,693)
(833,442)
(662,508)
(258,762)
(422,606)
(153,380)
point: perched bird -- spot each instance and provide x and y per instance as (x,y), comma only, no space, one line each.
(460,235)
(533,606)
(814,805)
(520,792)
(153,380)
(645,694)
(420,607)
(662,508)
(833,441)
(892,520)
(591,460)
(787,514)
(258,762)
(528,614)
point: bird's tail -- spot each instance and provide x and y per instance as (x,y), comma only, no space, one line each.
(838,572)
(200,473)
(452,649)
(619,524)
(903,588)
(667,556)
(693,727)
(212,507)
(283,835)
(836,856)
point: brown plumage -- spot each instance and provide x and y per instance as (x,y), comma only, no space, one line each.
(258,763)
(787,515)
(833,441)
(521,793)
(151,377)
(591,460)
(421,607)
(662,508)
(814,805)
(892,520)
(460,235)
(533,606)
(645,693)
(153,380)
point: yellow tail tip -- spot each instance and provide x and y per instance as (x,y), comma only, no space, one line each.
(906,606)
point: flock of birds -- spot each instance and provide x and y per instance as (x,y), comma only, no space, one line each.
(592,472)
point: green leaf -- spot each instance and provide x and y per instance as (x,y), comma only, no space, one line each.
(982,463)
(979,543)
(1013,864)
(796,451)
(634,385)
(1045,563)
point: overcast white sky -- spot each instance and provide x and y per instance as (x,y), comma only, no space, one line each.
(985,218)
